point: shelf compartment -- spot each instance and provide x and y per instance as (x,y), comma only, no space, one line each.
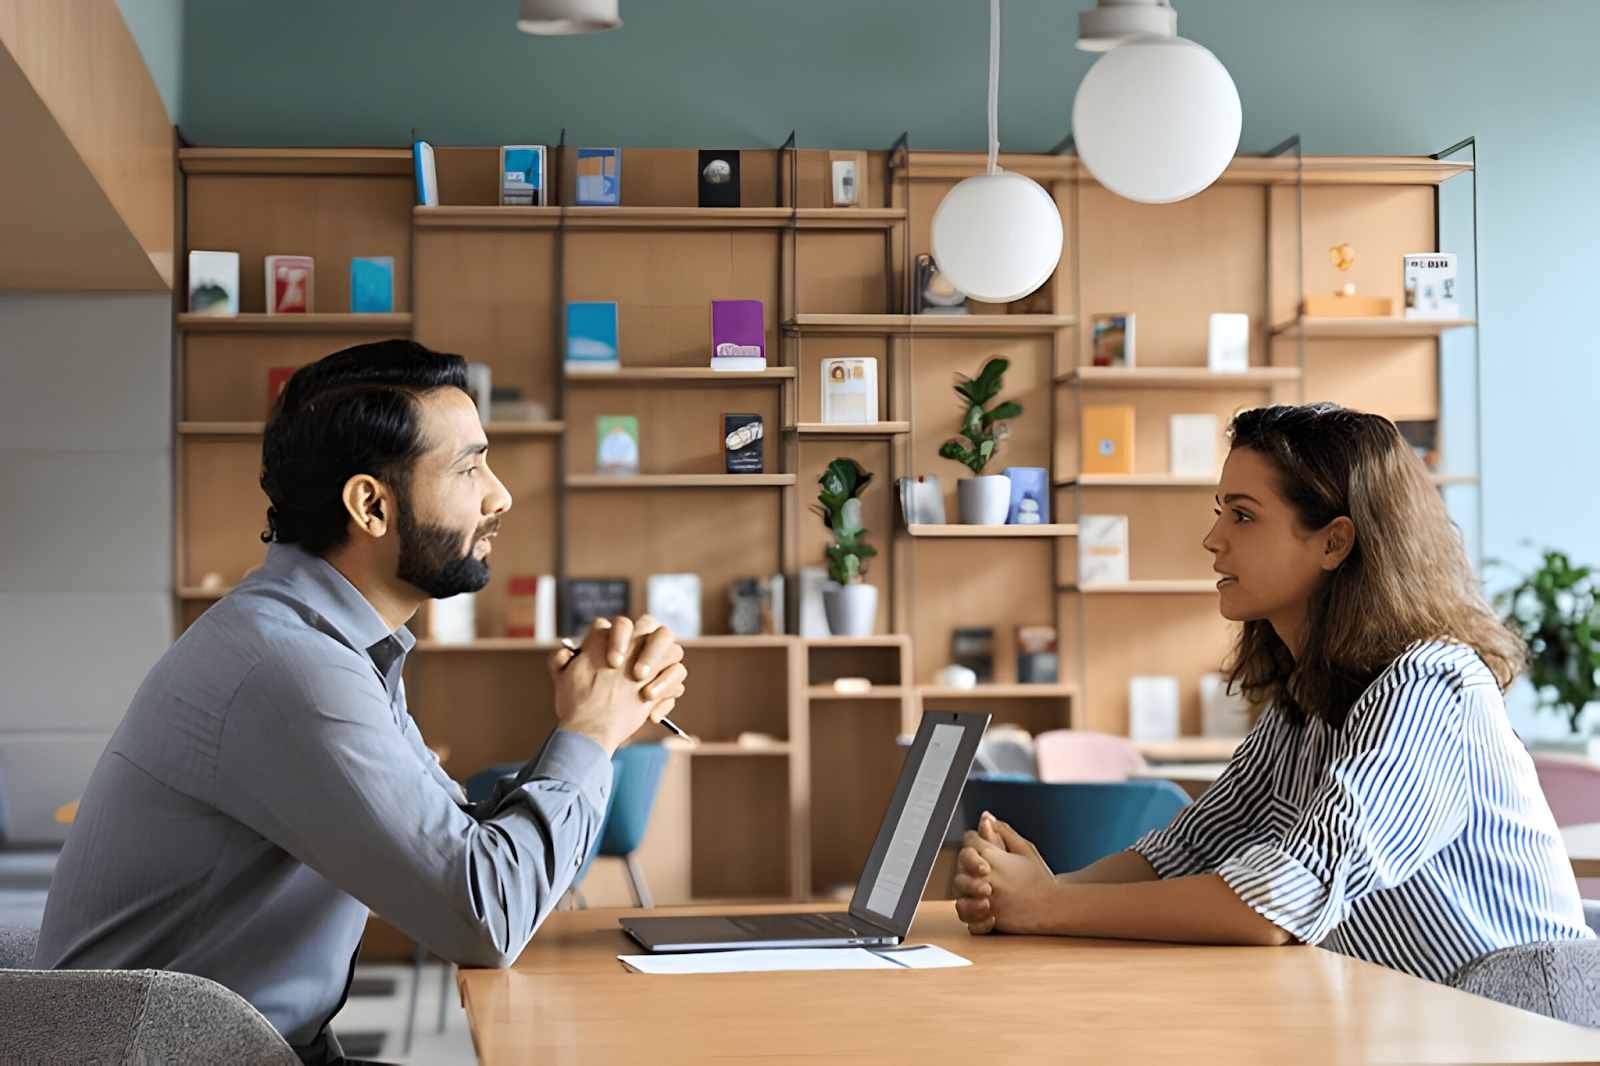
(1136,481)
(888,640)
(1000,691)
(930,325)
(826,218)
(858,430)
(696,375)
(954,529)
(679,481)
(385,161)
(1174,586)
(877,692)
(1373,328)
(255,322)
(1179,377)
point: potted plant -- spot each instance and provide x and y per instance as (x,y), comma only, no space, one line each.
(983,499)
(1556,608)
(851,604)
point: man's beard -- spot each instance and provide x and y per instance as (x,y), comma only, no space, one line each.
(431,558)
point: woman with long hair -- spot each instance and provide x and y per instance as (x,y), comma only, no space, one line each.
(1381,806)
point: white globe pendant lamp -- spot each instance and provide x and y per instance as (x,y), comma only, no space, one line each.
(997,236)
(552,18)
(1157,118)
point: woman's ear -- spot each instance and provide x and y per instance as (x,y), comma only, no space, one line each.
(1339,537)
(366,501)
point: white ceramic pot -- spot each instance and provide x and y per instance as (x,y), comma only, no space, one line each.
(852,610)
(984,501)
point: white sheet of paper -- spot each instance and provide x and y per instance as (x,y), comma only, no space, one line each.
(922,957)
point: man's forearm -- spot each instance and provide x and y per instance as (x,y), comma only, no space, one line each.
(1191,910)
(1119,868)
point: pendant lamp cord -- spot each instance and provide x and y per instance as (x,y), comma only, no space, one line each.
(994,86)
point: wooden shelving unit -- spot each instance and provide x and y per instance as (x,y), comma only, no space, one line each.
(956,531)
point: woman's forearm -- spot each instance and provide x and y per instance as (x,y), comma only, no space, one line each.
(1118,868)
(1193,910)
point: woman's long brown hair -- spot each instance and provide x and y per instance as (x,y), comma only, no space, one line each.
(1406,580)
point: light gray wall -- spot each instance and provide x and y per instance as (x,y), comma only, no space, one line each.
(85,532)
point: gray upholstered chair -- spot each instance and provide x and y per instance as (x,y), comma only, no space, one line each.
(124,1016)
(1559,979)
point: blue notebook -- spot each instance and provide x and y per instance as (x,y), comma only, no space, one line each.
(372,285)
(592,336)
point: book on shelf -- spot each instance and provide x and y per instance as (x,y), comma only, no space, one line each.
(531,607)
(848,179)
(592,337)
(756,606)
(522,175)
(291,284)
(1192,446)
(616,445)
(741,443)
(583,599)
(1153,707)
(719,178)
(850,391)
(1030,496)
(372,285)
(1038,663)
(453,620)
(213,283)
(1108,440)
(507,404)
(1112,340)
(427,175)
(813,614)
(1422,434)
(922,500)
(480,386)
(1430,280)
(973,647)
(1228,344)
(674,601)
(1102,550)
(599,176)
(738,335)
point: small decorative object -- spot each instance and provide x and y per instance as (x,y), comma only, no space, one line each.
(427,176)
(591,337)
(212,581)
(1102,550)
(1112,340)
(372,285)
(934,295)
(1556,609)
(290,280)
(847,171)
(973,648)
(213,283)
(751,739)
(1228,344)
(1342,256)
(776,604)
(922,500)
(674,601)
(738,335)
(1423,436)
(1222,713)
(813,614)
(1152,707)
(616,445)
(1192,446)
(1030,496)
(583,599)
(1108,440)
(854,686)
(957,676)
(719,178)
(748,614)
(522,607)
(741,443)
(984,500)
(1345,303)
(1037,661)
(522,175)
(599,178)
(849,391)
(852,607)
(1431,286)
(454,620)
(544,615)
(480,386)
(507,405)
(277,380)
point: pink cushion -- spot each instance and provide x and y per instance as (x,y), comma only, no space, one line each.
(1066,756)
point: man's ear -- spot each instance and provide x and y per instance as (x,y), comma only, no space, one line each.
(1339,537)
(370,504)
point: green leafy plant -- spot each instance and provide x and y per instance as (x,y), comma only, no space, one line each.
(982,428)
(839,504)
(1556,608)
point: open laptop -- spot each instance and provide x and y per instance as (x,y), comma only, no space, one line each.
(902,857)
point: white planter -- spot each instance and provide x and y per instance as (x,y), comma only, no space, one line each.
(852,610)
(984,501)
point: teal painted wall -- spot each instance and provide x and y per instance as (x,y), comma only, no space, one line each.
(157,28)
(1352,77)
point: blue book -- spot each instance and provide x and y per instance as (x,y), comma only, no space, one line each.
(372,285)
(427,176)
(592,336)
(599,177)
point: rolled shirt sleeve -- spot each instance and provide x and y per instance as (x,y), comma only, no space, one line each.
(1393,796)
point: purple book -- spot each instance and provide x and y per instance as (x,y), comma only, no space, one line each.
(738,338)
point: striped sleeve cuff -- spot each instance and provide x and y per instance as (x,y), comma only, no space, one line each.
(1284,892)
(1169,856)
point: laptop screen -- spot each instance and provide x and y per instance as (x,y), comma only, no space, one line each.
(924,801)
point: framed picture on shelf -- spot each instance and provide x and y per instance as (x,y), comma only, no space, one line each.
(1111,337)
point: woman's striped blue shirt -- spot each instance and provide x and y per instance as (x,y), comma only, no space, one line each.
(1415,836)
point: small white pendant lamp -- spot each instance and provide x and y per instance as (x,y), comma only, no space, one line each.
(996,236)
(551,18)
(1157,118)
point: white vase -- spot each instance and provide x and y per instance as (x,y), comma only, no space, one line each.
(852,610)
(984,501)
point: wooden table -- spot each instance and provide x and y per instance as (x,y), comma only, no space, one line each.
(1024,999)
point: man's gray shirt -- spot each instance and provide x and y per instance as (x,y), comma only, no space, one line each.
(267,787)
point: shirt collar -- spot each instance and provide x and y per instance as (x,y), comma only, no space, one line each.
(318,585)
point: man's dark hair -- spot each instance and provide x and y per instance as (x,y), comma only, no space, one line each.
(354,412)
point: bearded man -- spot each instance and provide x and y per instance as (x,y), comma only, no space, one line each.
(267,786)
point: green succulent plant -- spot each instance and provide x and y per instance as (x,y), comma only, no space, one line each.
(839,504)
(982,428)
(1556,608)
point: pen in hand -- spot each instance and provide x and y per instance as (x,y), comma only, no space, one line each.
(577,649)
